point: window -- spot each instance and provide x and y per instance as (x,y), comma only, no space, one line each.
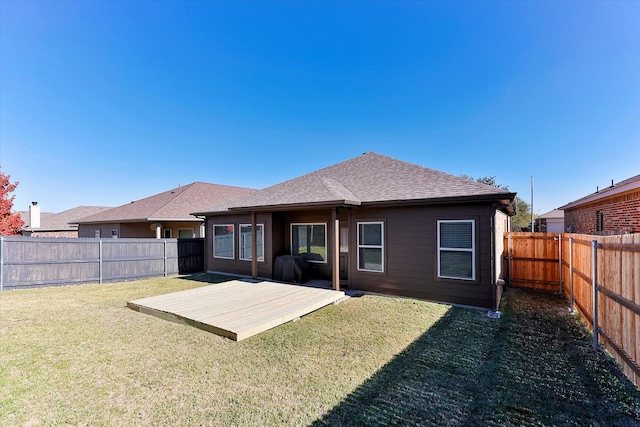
(114,233)
(223,241)
(456,249)
(344,239)
(96,234)
(599,221)
(167,233)
(245,241)
(185,233)
(371,246)
(310,241)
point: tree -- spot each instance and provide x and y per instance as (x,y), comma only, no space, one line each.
(10,223)
(522,218)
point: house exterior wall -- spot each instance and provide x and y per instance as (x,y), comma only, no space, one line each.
(69,233)
(555,225)
(127,230)
(501,221)
(411,254)
(236,265)
(621,215)
(410,250)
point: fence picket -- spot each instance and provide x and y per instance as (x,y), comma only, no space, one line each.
(617,267)
(35,262)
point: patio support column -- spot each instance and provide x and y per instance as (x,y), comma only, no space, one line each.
(254,247)
(335,253)
(158,230)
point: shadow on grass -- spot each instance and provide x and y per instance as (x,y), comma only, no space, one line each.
(533,366)
(208,278)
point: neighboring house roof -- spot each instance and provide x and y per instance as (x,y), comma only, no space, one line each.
(630,184)
(369,179)
(556,213)
(172,205)
(62,221)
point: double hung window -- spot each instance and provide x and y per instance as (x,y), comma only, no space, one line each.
(456,249)
(371,246)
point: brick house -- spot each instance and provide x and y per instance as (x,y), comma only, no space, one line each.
(612,210)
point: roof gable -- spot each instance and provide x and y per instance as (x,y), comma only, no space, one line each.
(176,204)
(367,179)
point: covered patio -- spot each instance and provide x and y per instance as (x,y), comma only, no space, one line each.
(238,309)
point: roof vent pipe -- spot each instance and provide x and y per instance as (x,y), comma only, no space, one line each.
(34,215)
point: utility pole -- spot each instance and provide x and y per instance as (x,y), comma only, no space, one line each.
(533,223)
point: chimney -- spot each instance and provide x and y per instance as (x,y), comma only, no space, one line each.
(34,215)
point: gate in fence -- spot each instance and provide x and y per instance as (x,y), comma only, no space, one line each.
(603,275)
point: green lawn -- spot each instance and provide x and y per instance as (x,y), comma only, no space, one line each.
(77,356)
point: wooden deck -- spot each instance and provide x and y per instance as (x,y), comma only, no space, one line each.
(237,309)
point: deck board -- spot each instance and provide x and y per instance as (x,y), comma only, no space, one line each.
(237,309)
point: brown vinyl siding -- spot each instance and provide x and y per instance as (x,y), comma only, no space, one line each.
(411,254)
(236,265)
(410,250)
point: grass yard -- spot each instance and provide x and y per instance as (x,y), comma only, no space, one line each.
(77,356)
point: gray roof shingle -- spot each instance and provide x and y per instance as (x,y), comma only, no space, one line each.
(61,221)
(176,204)
(367,179)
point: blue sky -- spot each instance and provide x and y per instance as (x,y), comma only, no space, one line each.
(105,102)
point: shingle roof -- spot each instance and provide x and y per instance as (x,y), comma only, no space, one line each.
(629,184)
(367,179)
(556,213)
(61,221)
(172,205)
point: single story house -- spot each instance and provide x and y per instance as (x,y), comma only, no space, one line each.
(373,222)
(164,215)
(49,224)
(612,210)
(551,222)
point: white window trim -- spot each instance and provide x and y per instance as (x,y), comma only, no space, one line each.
(233,241)
(381,246)
(240,242)
(115,233)
(472,250)
(326,247)
(164,233)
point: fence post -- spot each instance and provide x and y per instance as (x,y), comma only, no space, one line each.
(594,280)
(165,257)
(1,263)
(571,298)
(100,260)
(560,262)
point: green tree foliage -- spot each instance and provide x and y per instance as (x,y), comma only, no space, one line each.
(10,223)
(522,219)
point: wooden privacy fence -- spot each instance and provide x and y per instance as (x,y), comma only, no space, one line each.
(27,262)
(600,275)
